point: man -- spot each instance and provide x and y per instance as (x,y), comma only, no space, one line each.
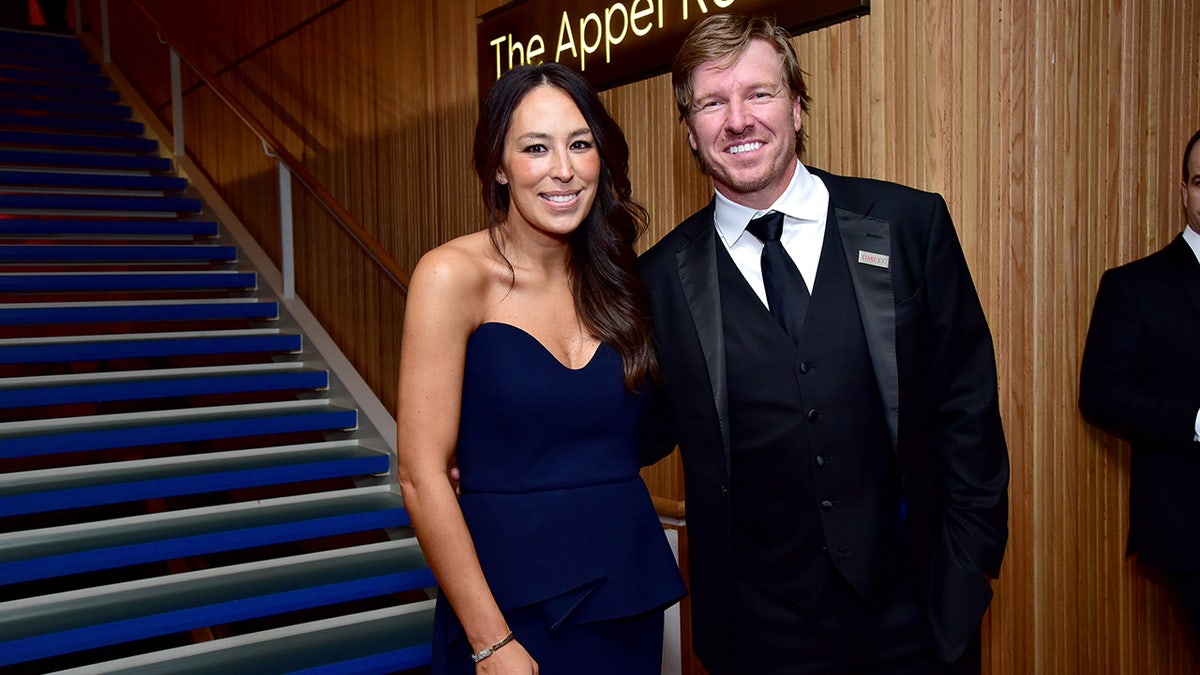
(844,460)
(1140,380)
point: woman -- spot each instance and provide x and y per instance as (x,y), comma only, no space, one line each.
(525,349)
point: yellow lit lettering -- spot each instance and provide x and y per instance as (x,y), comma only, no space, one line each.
(609,37)
(535,48)
(635,15)
(496,43)
(564,28)
(700,3)
(519,49)
(585,48)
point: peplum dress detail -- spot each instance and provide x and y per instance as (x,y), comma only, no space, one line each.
(550,489)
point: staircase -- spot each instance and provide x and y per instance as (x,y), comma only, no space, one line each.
(180,489)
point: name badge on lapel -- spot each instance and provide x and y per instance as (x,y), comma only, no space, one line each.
(873,259)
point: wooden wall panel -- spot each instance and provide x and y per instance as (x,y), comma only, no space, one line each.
(352,90)
(1053,128)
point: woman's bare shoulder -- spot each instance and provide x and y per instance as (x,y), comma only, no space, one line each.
(465,273)
(460,262)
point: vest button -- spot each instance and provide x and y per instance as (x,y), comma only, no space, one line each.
(812,415)
(820,460)
(826,505)
(804,367)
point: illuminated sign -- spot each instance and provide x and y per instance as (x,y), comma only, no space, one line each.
(612,43)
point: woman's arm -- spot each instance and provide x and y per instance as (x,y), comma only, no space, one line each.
(443,308)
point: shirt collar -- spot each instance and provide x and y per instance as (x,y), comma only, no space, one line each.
(1193,240)
(804,199)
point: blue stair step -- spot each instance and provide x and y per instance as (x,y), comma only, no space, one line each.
(41,54)
(62,313)
(38,90)
(117,482)
(98,282)
(33,253)
(48,45)
(32,438)
(379,641)
(90,181)
(72,124)
(84,160)
(30,555)
(39,139)
(44,204)
(68,60)
(85,348)
(63,623)
(61,79)
(48,227)
(23,392)
(68,108)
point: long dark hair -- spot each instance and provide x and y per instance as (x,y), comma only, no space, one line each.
(609,297)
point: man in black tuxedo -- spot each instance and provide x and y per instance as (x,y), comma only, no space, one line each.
(1140,380)
(833,392)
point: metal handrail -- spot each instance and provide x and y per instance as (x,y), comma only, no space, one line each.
(324,197)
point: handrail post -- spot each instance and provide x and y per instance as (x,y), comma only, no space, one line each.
(104,37)
(177,104)
(295,168)
(287,251)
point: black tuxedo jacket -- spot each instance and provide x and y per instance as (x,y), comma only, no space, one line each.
(1140,379)
(934,362)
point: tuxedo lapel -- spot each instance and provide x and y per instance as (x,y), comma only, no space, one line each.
(697,265)
(1186,269)
(868,246)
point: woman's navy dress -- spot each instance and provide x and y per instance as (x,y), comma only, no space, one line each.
(563,525)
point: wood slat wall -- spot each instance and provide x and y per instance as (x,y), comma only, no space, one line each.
(1054,129)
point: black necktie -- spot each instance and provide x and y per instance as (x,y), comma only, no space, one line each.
(787,293)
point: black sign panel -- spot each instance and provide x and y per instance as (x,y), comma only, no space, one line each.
(613,42)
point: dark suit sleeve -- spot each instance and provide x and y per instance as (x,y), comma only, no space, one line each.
(966,439)
(1116,392)
(658,431)
(968,433)
(658,434)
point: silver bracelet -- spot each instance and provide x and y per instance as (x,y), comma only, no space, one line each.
(483,654)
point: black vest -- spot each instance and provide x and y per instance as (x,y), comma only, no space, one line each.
(813,482)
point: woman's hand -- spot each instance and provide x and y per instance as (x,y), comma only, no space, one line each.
(511,659)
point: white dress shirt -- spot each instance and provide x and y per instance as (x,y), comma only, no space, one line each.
(804,205)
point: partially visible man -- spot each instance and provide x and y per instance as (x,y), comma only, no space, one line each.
(830,379)
(1140,380)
